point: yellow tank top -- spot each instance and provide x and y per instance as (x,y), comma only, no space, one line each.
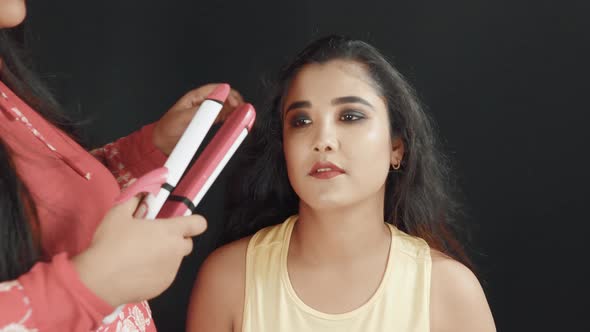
(401,302)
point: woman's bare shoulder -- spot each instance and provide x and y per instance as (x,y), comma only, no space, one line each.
(457,300)
(218,295)
(230,257)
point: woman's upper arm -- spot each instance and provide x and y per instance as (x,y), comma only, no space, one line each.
(218,294)
(457,301)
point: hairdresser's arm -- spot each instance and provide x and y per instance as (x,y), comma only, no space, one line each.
(50,297)
(146,149)
(132,156)
(217,299)
(128,261)
(457,300)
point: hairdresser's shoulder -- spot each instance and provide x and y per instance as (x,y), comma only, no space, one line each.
(457,300)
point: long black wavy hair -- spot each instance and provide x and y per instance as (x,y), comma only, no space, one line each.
(19,225)
(419,196)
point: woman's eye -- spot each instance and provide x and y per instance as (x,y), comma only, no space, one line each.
(300,122)
(352,116)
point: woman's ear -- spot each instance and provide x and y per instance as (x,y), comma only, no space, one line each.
(397,153)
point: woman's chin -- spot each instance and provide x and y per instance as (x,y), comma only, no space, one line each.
(325,203)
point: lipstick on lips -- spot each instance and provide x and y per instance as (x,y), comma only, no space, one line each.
(325,170)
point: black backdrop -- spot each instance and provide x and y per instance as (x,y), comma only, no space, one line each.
(505,80)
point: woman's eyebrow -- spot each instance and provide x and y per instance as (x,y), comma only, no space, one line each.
(298,104)
(350,100)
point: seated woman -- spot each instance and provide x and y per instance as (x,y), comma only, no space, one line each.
(349,158)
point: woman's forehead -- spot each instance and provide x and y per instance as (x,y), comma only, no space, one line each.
(332,79)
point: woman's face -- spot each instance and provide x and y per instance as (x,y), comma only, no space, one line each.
(12,13)
(336,136)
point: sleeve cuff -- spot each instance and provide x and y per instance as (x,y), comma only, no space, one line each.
(148,148)
(149,156)
(69,276)
(56,284)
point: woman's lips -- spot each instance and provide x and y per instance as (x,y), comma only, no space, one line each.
(325,170)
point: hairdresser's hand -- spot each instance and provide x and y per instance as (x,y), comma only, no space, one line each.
(131,259)
(168,130)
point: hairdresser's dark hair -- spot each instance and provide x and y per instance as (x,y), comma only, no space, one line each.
(16,73)
(19,231)
(19,226)
(418,197)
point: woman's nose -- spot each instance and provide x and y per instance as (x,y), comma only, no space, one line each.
(326,138)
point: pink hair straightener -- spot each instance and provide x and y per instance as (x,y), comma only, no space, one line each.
(186,194)
(168,194)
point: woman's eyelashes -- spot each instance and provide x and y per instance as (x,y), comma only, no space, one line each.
(352,116)
(303,119)
(299,120)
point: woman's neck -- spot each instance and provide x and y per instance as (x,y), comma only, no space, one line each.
(340,234)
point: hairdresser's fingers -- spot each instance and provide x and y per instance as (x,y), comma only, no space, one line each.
(224,113)
(186,226)
(196,101)
(128,199)
(186,246)
(192,225)
(185,117)
(235,98)
(194,97)
(233,102)
(190,100)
